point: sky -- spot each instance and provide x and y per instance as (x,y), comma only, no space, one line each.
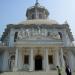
(14,11)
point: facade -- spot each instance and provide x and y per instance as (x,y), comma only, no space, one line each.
(37,43)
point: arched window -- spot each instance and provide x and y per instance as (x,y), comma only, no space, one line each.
(60,34)
(15,37)
(11,62)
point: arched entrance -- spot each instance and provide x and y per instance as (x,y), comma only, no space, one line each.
(38,62)
(11,62)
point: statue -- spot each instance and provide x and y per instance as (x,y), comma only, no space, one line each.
(20,35)
(55,35)
(23,34)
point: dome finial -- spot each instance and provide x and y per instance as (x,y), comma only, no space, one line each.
(36,2)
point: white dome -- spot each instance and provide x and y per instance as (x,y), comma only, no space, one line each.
(39,21)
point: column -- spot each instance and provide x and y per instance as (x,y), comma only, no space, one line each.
(57,58)
(31,61)
(61,58)
(20,60)
(16,60)
(46,64)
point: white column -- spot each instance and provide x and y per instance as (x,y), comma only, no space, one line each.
(46,64)
(57,58)
(61,58)
(16,60)
(31,62)
(20,61)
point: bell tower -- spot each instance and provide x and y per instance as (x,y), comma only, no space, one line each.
(37,12)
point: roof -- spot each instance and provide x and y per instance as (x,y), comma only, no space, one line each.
(37,6)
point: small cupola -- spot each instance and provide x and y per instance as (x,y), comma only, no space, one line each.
(37,12)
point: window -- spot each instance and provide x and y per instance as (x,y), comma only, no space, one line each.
(50,59)
(15,37)
(26,59)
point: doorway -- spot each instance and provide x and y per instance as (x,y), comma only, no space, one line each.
(38,62)
(12,62)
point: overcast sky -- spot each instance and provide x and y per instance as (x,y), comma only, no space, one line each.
(13,11)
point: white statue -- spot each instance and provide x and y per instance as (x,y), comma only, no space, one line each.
(55,35)
(23,34)
(20,35)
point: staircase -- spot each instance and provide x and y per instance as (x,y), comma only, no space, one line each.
(33,73)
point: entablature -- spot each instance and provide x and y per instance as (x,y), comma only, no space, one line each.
(38,43)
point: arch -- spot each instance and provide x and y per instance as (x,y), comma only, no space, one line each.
(11,62)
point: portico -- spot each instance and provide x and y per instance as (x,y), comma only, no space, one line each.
(37,58)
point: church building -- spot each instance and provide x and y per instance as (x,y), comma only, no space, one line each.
(37,44)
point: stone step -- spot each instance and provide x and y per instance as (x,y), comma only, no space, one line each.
(33,73)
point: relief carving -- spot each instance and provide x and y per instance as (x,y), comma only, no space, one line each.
(23,34)
(37,34)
